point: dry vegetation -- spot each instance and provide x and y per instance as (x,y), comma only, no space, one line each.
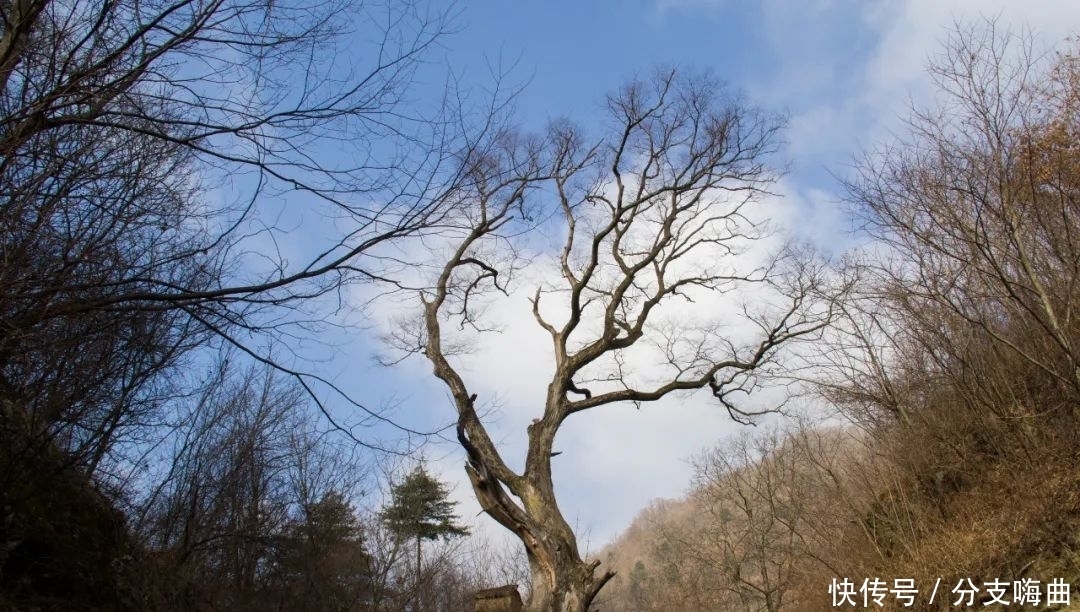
(955,365)
(161,445)
(129,482)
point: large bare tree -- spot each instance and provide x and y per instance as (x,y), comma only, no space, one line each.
(658,217)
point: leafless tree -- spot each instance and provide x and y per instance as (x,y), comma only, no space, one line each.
(960,340)
(656,214)
(970,297)
(250,505)
(754,497)
(148,151)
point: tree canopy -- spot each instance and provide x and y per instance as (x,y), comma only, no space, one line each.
(420,509)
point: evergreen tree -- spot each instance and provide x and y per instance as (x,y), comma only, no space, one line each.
(322,563)
(420,509)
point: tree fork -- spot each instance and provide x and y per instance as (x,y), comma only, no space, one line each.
(684,202)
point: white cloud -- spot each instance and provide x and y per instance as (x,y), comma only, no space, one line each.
(893,76)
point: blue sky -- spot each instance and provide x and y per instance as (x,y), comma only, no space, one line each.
(788,57)
(843,71)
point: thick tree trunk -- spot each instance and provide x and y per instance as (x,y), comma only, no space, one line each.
(561,580)
(568,585)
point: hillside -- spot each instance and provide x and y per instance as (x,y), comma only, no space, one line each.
(774,518)
(955,363)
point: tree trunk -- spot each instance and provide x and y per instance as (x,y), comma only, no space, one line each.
(561,580)
(416,581)
(567,585)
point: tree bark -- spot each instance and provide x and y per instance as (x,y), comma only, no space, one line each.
(561,580)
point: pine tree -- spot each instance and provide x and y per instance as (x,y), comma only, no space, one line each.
(322,564)
(420,509)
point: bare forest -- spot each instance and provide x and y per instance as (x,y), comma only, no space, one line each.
(200,198)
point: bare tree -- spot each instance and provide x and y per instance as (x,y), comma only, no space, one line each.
(656,214)
(148,150)
(250,505)
(963,331)
(978,209)
(756,494)
(961,339)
